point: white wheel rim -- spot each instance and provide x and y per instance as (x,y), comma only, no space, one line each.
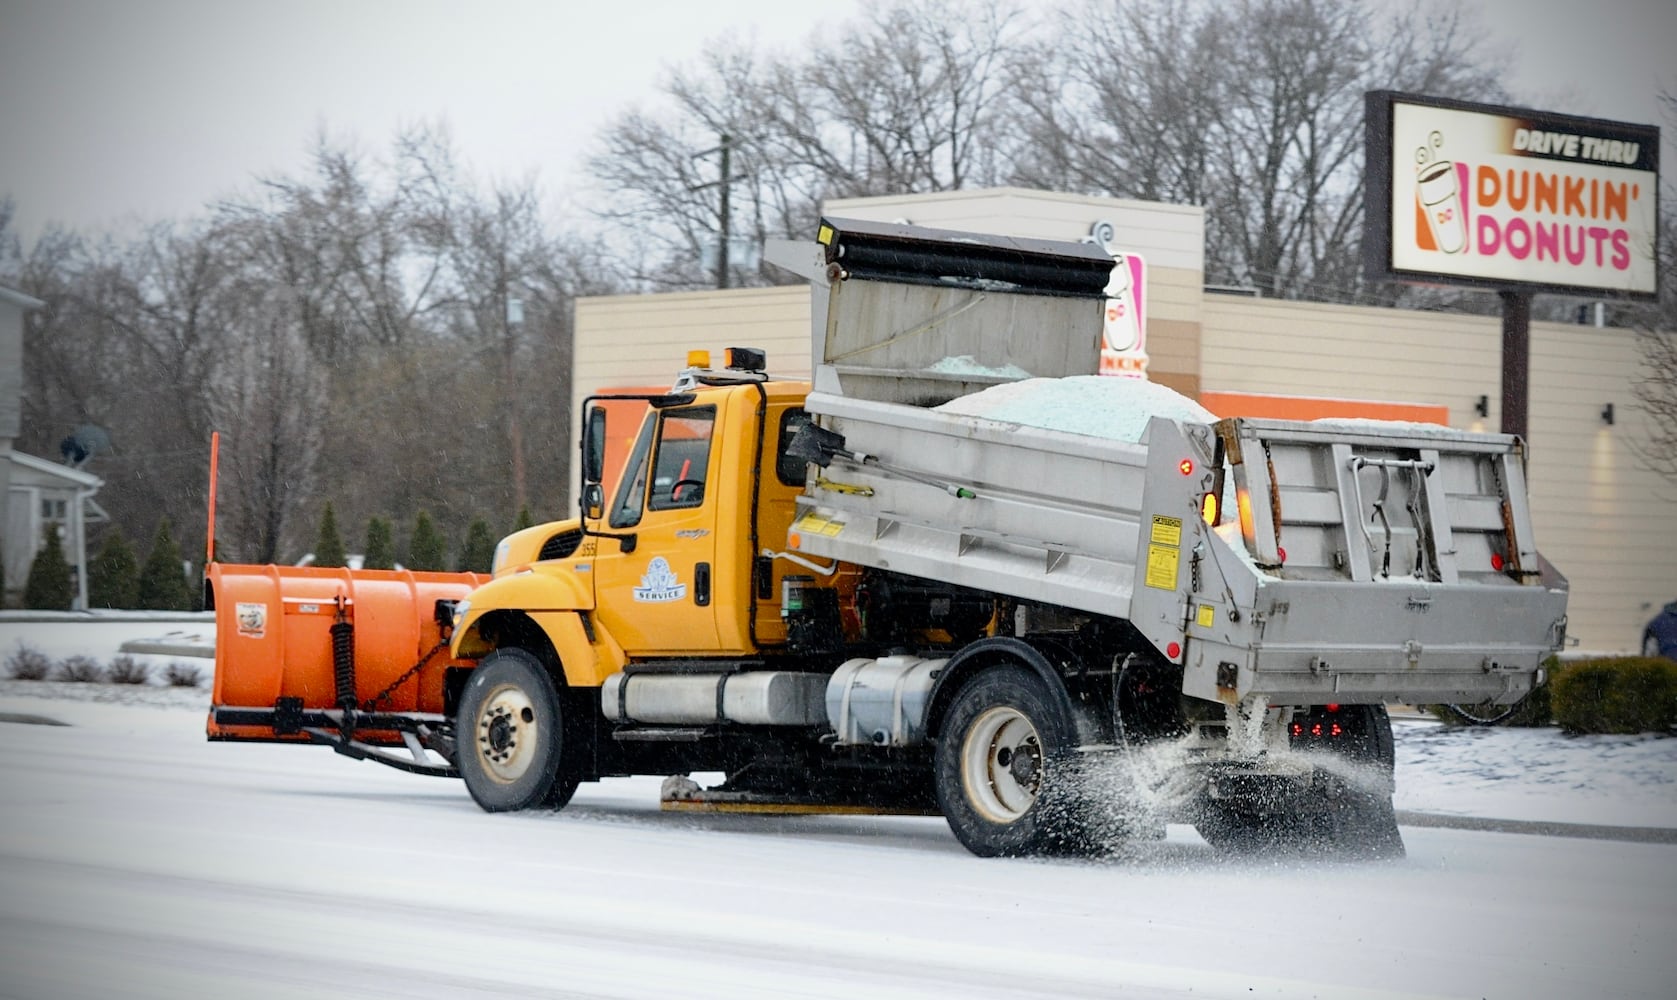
(1001,764)
(506,734)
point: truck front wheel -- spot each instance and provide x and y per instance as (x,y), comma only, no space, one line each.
(1002,781)
(510,735)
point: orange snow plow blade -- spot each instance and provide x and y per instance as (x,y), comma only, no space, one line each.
(355,659)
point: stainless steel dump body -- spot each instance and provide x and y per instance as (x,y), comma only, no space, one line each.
(1355,561)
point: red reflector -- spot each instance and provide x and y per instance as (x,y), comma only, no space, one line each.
(1187,466)
(1173,650)
(1496,561)
(1282,553)
(1332,708)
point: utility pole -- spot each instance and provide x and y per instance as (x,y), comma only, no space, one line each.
(725,182)
(514,317)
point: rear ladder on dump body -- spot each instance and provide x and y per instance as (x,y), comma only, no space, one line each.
(1386,561)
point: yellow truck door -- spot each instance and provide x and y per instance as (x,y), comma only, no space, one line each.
(658,599)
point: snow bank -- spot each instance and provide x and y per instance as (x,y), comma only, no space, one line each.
(1095,405)
(1537,774)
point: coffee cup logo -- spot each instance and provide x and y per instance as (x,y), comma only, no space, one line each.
(1439,198)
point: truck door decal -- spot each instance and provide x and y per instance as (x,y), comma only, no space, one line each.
(659,584)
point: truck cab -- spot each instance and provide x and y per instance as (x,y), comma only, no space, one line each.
(673,559)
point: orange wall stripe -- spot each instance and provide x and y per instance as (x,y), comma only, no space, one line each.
(1245,404)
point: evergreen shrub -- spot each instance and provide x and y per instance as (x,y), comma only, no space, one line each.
(1627,694)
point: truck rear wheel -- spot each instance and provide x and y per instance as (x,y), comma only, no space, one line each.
(510,735)
(1001,779)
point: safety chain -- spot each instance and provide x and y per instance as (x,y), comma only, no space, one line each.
(371,704)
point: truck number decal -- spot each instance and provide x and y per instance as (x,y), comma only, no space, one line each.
(659,584)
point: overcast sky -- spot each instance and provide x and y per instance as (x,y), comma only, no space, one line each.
(117,111)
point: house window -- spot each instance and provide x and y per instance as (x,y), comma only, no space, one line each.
(53,510)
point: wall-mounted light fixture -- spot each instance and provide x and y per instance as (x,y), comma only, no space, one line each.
(1483,407)
(1607,414)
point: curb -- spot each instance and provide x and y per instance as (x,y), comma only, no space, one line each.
(1541,828)
(165,647)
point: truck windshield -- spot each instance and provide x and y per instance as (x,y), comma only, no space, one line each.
(631,492)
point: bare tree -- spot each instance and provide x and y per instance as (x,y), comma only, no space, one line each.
(130,343)
(268,402)
(495,254)
(1122,100)
(912,97)
(1656,333)
(661,174)
(1656,390)
(356,245)
(1253,110)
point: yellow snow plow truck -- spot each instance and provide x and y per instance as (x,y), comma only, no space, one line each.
(955,573)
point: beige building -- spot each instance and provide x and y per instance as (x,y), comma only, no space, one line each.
(1606,521)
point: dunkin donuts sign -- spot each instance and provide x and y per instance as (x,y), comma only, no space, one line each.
(1505,197)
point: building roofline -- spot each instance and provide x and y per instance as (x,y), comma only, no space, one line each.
(80,478)
(835,205)
(19,299)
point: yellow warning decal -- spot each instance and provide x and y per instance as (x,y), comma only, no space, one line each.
(815,524)
(1167,530)
(1161,566)
(824,235)
(1206,617)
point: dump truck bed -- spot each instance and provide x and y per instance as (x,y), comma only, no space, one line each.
(1354,561)
(1409,570)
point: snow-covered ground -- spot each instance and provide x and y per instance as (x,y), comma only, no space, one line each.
(137,860)
(1517,774)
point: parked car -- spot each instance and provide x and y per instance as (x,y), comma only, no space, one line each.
(1660,637)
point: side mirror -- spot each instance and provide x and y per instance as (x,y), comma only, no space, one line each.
(593,501)
(594,447)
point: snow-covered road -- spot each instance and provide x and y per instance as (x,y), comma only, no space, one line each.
(136,860)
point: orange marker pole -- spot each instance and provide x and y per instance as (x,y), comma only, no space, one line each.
(209,536)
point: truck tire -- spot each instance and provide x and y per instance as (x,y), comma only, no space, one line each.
(510,736)
(1002,780)
(1352,818)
